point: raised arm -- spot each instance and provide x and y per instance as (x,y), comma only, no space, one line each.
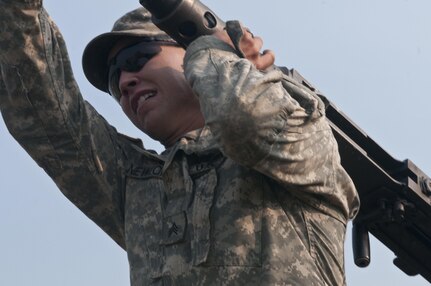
(44,111)
(270,122)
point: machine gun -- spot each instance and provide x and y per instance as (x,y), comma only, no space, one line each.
(395,195)
(395,199)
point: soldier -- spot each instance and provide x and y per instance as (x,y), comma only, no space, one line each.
(249,190)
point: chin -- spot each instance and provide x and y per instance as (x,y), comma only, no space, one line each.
(153,134)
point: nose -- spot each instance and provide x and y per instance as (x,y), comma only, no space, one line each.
(128,81)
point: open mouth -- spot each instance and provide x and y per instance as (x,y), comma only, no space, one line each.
(140,98)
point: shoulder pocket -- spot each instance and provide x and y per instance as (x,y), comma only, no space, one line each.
(304,93)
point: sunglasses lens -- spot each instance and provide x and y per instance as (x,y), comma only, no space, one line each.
(130,59)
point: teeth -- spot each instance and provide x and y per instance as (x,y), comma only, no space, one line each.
(141,100)
(144,97)
(148,95)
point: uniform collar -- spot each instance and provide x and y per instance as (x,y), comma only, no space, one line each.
(199,142)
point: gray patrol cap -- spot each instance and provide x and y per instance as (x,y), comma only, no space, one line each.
(135,24)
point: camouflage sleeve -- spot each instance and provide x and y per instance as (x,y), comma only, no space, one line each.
(44,111)
(267,121)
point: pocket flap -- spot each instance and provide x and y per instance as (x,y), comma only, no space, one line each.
(201,216)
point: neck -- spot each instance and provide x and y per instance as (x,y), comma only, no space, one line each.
(194,122)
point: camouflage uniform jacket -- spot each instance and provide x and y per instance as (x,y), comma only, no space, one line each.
(257,197)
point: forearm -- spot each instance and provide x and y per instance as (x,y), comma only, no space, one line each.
(43,109)
(38,81)
(245,108)
(271,123)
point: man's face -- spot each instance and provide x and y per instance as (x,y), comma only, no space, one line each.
(158,99)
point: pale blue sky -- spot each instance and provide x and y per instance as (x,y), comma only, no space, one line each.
(371,58)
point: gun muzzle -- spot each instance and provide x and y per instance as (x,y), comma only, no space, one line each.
(183,20)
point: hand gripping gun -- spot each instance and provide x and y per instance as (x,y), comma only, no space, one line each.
(395,195)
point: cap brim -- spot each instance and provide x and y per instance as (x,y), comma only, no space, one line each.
(95,56)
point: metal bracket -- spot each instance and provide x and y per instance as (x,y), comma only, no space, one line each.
(425,184)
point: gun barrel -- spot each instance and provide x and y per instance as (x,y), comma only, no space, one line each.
(183,20)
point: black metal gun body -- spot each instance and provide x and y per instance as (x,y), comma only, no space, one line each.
(395,195)
(183,20)
(395,198)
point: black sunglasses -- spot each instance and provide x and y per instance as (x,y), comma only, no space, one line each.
(131,59)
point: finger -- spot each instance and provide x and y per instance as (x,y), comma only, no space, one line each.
(248,36)
(265,60)
(247,33)
(251,46)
